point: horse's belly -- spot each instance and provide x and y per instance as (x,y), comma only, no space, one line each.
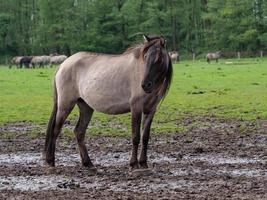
(106,104)
(106,98)
(113,109)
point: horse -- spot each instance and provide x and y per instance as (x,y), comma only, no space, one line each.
(213,56)
(15,61)
(174,56)
(36,61)
(46,60)
(135,81)
(40,60)
(57,59)
(25,60)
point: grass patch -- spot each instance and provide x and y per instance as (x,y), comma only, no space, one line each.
(225,89)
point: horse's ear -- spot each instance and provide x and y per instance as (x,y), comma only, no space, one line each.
(163,42)
(146,38)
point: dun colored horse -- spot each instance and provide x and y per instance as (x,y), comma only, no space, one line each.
(135,81)
(174,56)
(15,61)
(57,59)
(40,61)
(213,56)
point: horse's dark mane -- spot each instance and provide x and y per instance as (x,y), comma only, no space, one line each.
(140,50)
(167,80)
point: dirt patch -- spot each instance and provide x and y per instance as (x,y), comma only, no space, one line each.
(214,159)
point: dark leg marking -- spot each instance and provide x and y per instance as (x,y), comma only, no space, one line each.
(86,113)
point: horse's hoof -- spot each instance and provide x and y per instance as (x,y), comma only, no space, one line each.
(49,163)
(141,172)
(50,170)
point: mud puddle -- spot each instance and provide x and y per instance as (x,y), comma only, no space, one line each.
(36,183)
(120,159)
(213,161)
(66,159)
(35,159)
(221,159)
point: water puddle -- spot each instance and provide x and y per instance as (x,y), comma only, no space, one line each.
(232,172)
(39,183)
(115,159)
(246,172)
(118,159)
(36,183)
(63,159)
(35,159)
(219,159)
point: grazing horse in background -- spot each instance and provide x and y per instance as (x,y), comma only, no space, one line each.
(15,61)
(174,56)
(25,60)
(36,61)
(213,56)
(46,60)
(40,61)
(135,81)
(57,59)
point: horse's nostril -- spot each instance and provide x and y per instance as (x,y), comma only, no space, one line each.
(149,85)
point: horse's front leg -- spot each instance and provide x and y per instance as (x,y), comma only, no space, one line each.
(145,138)
(136,122)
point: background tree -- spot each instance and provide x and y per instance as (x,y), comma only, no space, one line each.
(34,27)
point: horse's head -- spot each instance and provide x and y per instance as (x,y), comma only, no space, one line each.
(157,62)
(219,53)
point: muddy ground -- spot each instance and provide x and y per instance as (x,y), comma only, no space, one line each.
(214,159)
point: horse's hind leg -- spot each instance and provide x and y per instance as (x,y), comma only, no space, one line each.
(86,113)
(63,110)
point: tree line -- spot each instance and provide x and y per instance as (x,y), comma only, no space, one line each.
(36,27)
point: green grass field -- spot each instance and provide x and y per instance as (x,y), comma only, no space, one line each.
(229,89)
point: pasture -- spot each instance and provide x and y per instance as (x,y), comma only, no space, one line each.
(208,138)
(235,90)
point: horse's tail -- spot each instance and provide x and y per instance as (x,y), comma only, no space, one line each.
(52,120)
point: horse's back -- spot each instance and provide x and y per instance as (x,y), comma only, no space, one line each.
(101,80)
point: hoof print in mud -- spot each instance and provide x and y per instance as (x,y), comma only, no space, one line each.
(141,172)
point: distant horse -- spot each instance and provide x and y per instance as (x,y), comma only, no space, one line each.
(213,56)
(58,59)
(46,60)
(174,56)
(40,61)
(36,61)
(135,81)
(15,61)
(25,60)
